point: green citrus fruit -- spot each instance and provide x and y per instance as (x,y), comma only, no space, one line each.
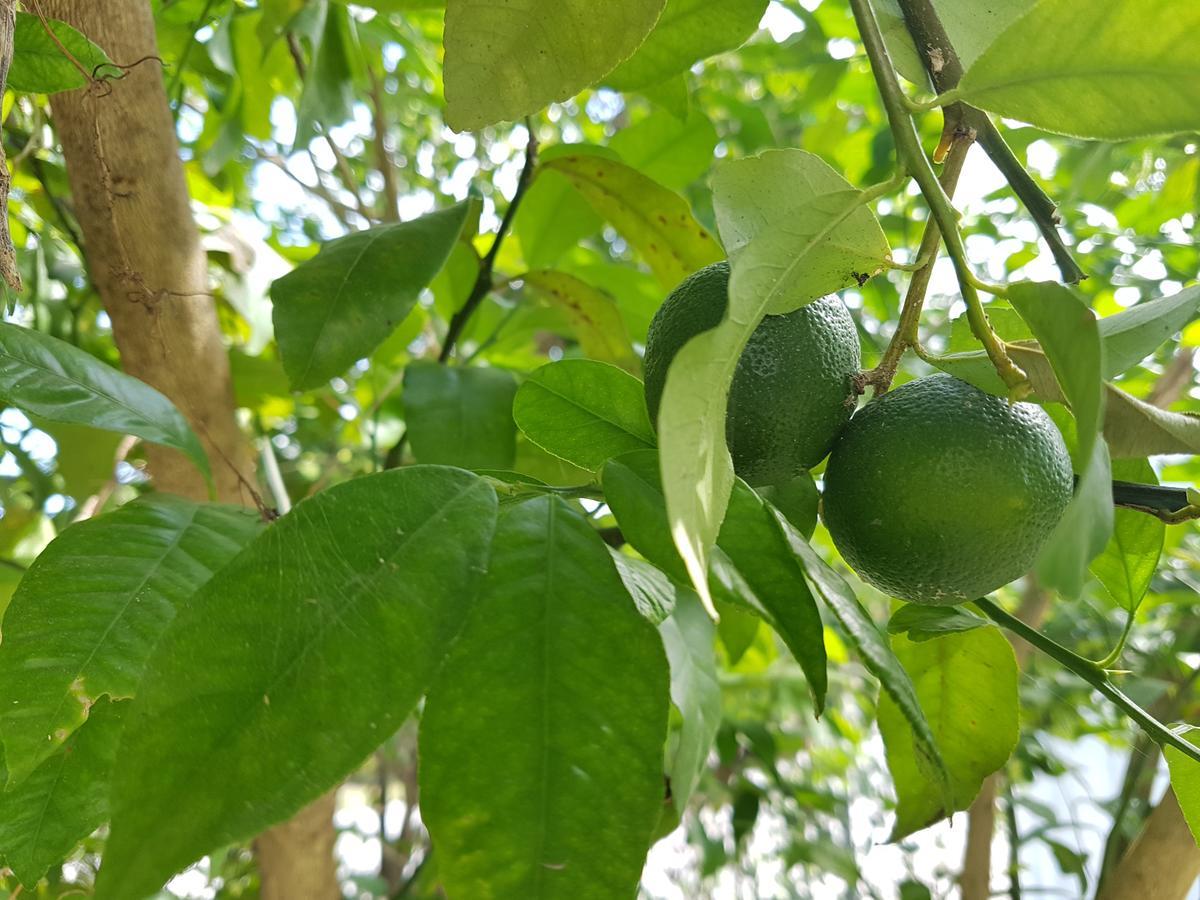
(940,493)
(792,391)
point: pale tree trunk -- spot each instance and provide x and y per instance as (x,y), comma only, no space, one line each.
(1162,863)
(145,257)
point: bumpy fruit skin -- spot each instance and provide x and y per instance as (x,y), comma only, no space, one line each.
(793,389)
(939,493)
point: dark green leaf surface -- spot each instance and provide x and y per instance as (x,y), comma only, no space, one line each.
(38,64)
(459,416)
(340,305)
(292,665)
(967,685)
(541,742)
(60,382)
(583,411)
(95,603)
(64,799)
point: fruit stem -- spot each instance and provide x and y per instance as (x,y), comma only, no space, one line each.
(1092,674)
(908,148)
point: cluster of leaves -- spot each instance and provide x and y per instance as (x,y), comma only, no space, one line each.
(163,663)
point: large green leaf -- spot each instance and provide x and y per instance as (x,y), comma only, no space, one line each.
(64,799)
(879,658)
(460,416)
(507,59)
(340,305)
(541,742)
(291,665)
(688,31)
(1132,335)
(967,685)
(1126,567)
(593,315)
(1115,73)
(655,221)
(795,231)
(39,65)
(60,382)
(583,411)
(95,603)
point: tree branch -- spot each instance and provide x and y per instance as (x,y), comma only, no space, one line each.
(383,156)
(945,71)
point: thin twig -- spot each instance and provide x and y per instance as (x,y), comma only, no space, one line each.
(383,156)
(341,210)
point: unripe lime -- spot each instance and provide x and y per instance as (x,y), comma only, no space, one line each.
(940,493)
(793,388)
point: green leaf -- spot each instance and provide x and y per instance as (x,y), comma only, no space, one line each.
(583,411)
(1070,338)
(554,217)
(879,658)
(967,685)
(655,221)
(593,315)
(509,60)
(1084,530)
(798,499)
(291,665)
(1185,780)
(737,629)
(688,31)
(673,152)
(328,96)
(460,416)
(94,603)
(58,381)
(64,799)
(795,230)
(1126,567)
(39,65)
(340,305)
(541,754)
(923,623)
(1124,74)
(1132,335)
(653,593)
(688,638)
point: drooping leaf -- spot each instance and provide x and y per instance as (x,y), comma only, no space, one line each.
(583,411)
(1185,780)
(795,230)
(737,630)
(1132,335)
(656,221)
(340,305)
(922,623)
(1127,565)
(64,799)
(293,663)
(460,415)
(95,603)
(1084,530)
(593,314)
(688,638)
(879,658)
(687,31)
(967,685)
(328,96)
(1126,74)
(60,382)
(507,60)
(39,65)
(541,754)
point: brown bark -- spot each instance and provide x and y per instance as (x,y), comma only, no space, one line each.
(1162,863)
(145,257)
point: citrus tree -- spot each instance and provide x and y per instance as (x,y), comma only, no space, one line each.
(537,405)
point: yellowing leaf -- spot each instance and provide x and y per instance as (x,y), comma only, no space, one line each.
(593,314)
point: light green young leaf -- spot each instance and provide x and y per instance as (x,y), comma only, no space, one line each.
(541,754)
(687,32)
(64,799)
(1185,780)
(341,614)
(656,221)
(796,230)
(1126,567)
(508,60)
(593,315)
(672,151)
(554,217)
(1084,530)
(1127,74)
(460,415)
(583,411)
(38,64)
(340,305)
(967,685)
(1132,335)
(95,602)
(58,381)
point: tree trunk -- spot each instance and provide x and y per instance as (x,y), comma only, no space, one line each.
(145,257)
(1162,863)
